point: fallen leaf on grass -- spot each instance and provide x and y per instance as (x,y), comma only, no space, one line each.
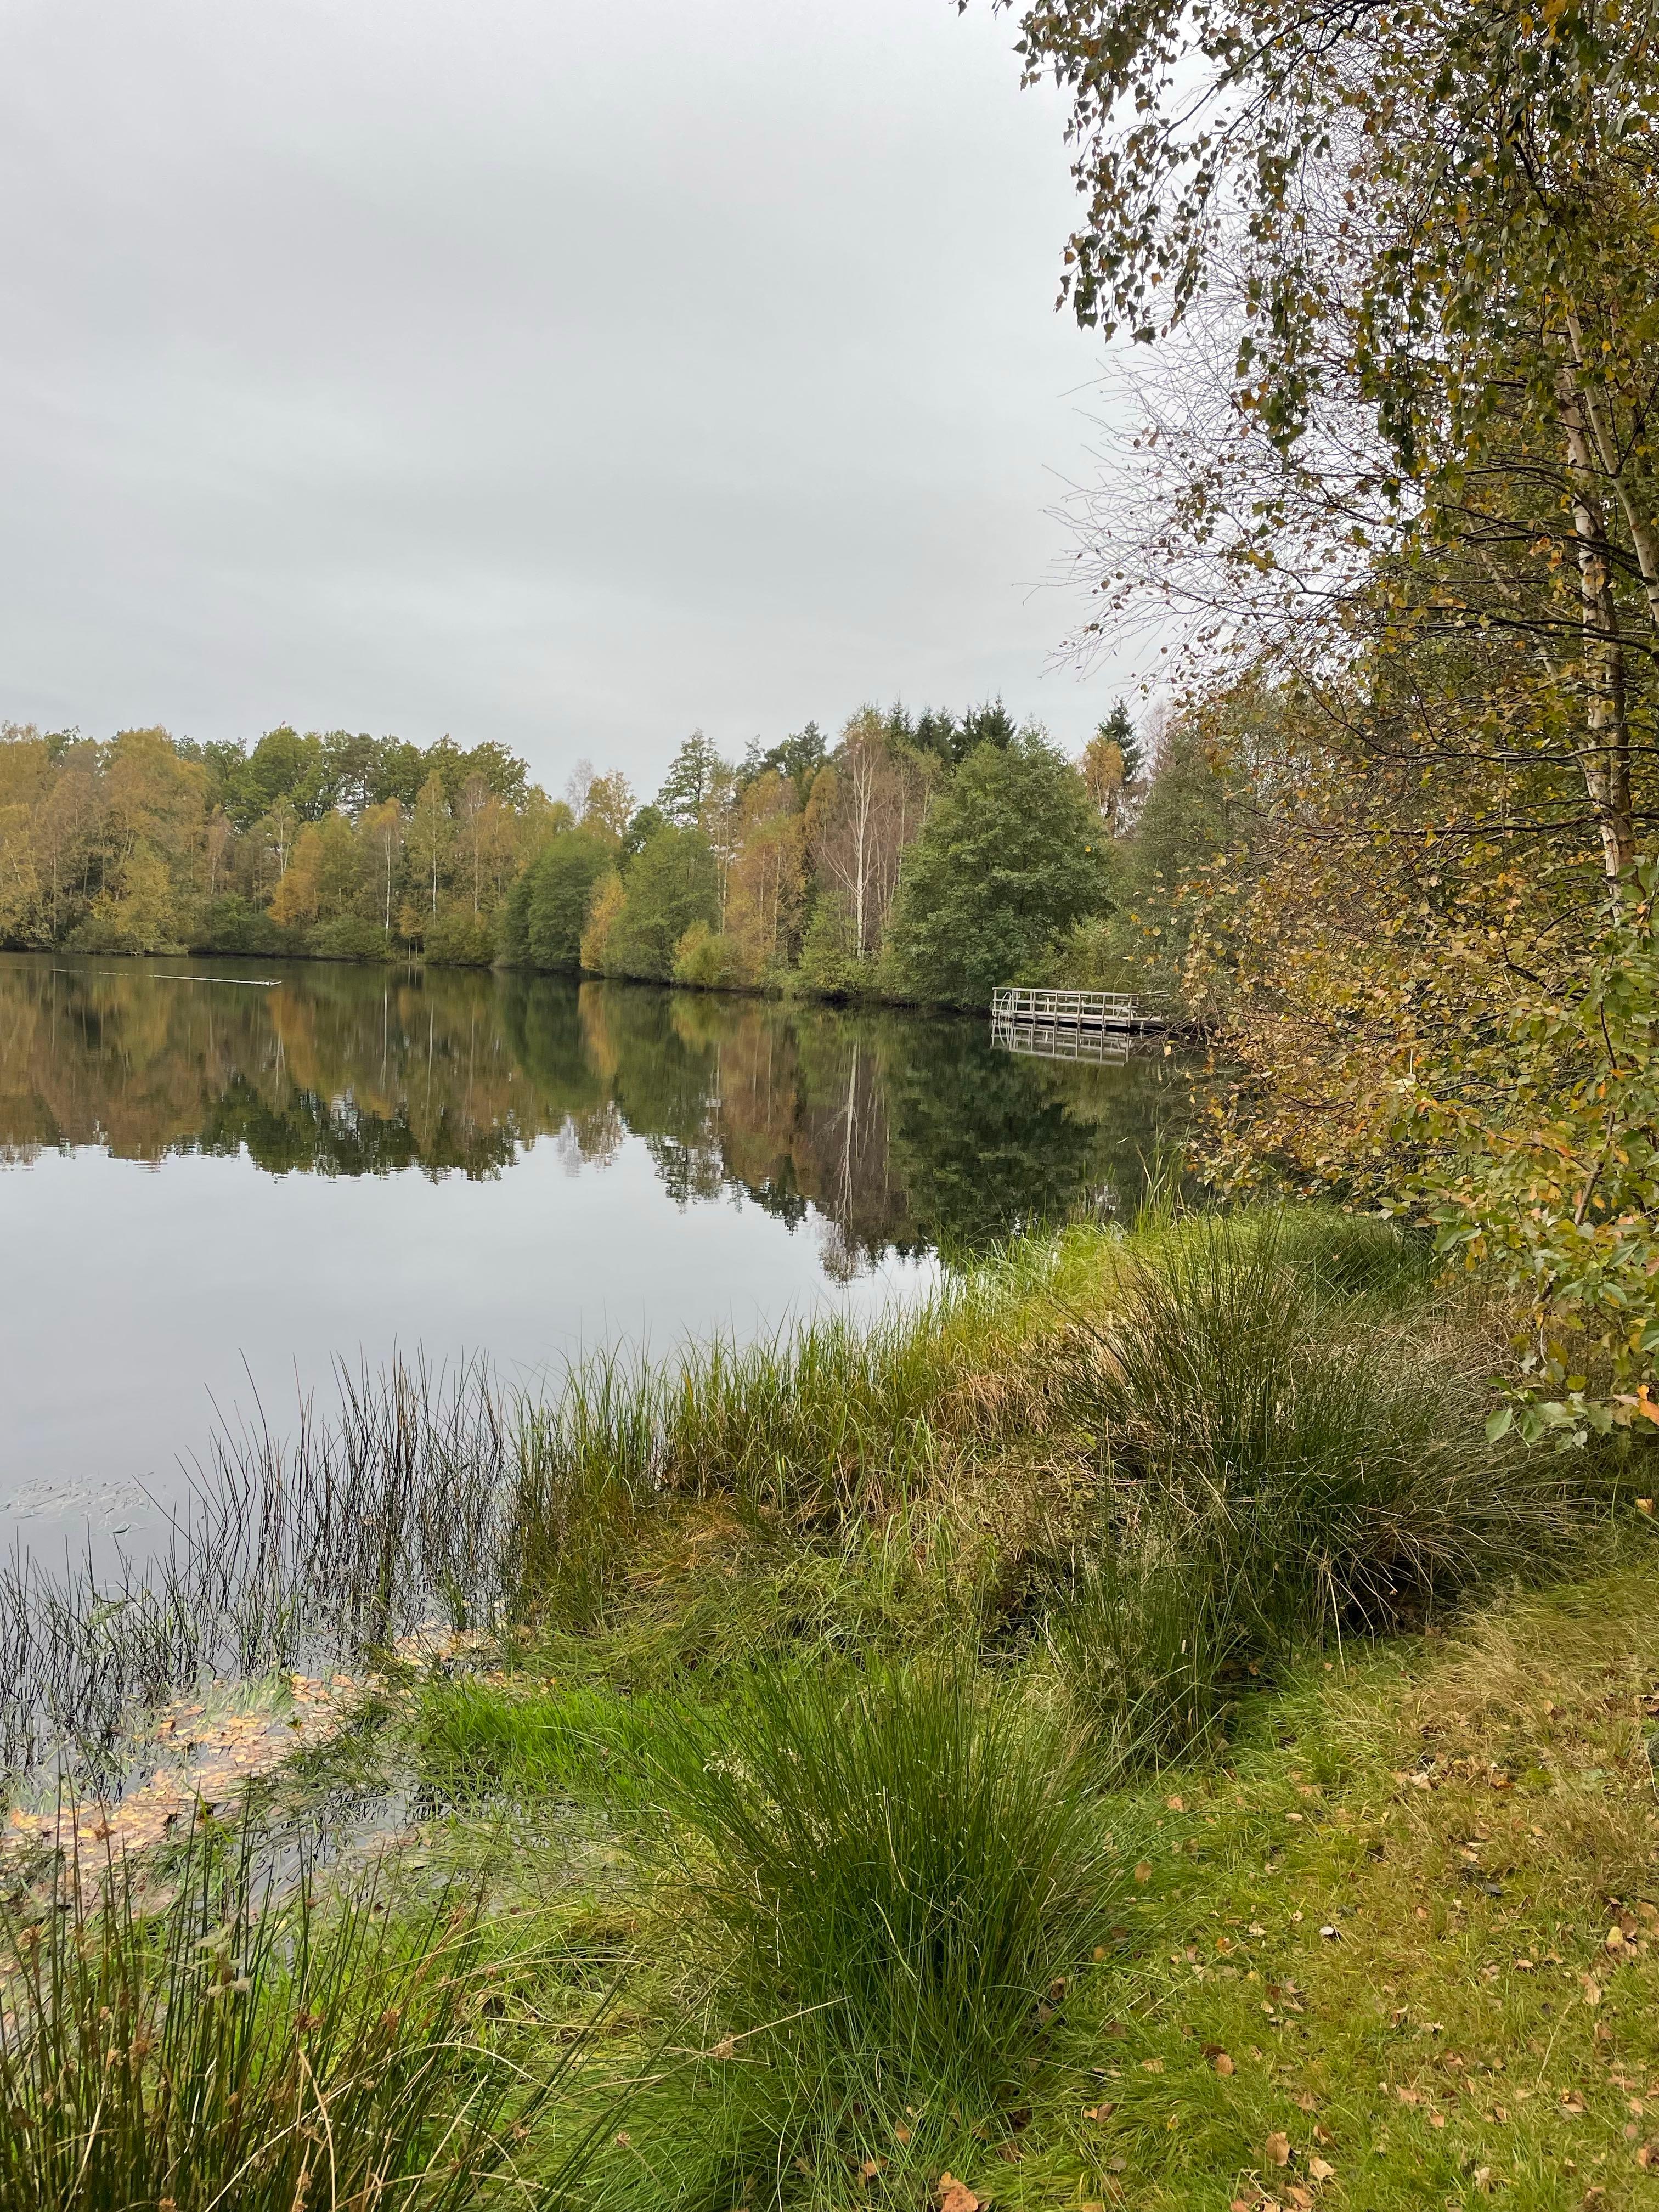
(1144,1871)
(1277,2149)
(1321,2169)
(956,2196)
(901,2134)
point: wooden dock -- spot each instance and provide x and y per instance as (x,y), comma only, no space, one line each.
(1080,1011)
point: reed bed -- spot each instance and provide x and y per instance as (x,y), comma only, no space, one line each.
(287,1553)
(841,1654)
(1281,1438)
(425,1498)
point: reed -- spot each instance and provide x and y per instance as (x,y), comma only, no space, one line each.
(338,1540)
(237,2044)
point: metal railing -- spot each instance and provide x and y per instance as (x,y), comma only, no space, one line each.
(1096,1010)
(1098,1046)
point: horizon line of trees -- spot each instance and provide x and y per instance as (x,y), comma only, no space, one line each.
(924,857)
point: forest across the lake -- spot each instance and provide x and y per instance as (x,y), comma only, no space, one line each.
(925,859)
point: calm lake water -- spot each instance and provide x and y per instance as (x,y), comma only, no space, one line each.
(218,1177)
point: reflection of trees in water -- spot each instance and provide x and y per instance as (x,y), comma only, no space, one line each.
(335,1070)
(986,1144)
(901,1133)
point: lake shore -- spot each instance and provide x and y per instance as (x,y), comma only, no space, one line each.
(1129,1638)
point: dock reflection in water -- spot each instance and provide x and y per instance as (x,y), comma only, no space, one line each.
(1094,1047)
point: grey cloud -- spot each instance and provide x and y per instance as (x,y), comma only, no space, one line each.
(563,376)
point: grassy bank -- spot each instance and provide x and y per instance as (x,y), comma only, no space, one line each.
(1120,1734)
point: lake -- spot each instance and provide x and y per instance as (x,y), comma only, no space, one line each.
(219,1177)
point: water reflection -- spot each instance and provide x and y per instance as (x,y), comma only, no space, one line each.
(901,1133)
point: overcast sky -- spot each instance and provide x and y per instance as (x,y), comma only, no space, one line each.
(566,375)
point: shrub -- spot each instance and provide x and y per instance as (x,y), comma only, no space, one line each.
(898,1867)
(233,924)
(348,937)
(460,939)
(708,960)
(829,965)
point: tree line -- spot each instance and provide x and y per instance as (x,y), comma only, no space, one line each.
(926,857)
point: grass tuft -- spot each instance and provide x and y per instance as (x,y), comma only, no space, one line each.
(1281,1463)
(900,1868)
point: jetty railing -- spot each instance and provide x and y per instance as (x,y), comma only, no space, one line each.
(1083,1009)
(1100,1047)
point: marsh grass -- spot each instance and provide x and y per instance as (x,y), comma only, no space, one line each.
(234,2043)
(1284,1459)
(837,1656)
(341,1540)
(1265,1405)
(899,1866)
(424,1497)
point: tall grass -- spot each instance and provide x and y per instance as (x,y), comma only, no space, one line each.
(422,1495)
(233,2046)
(899,1867)
(1281,1460)
(353,1533)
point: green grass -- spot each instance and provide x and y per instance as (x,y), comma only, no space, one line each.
(905,1860)
(1287,1454)
(1380,1935)
(486,1741)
